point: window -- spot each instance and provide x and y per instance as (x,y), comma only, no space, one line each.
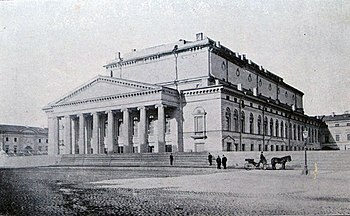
(282,129)
(7,139)
(15,139)
(7,148)
(302,130)
(348,137)
(242,122)
(271,147)
(337,125)
(199,121)
(168,148)
(243,147)
(295,132)
(39,140)
(167,124)
(251,147)
(286,130)
(271,127)
(259,147)
(337,137)
(228,119)
(251,123)
(265,126)
(151,125)
(277,128)
(235,118)
(299,132)
(347,124)
(47,141)
(259,125)
(135,124)
(15,149)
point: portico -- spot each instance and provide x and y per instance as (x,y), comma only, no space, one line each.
(121,123)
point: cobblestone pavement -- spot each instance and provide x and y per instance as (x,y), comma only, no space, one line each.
(170,191)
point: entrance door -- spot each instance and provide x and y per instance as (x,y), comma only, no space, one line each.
(229,146)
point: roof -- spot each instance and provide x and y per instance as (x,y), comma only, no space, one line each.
(22,129)
(345,116)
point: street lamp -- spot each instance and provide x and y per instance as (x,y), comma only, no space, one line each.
(305,135)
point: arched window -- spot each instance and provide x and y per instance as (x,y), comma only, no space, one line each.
(199,121)
(235,118)
(259,124)
(282,129)
(302,130)
(251,123)
(295,132)
(298,132)
(265,126)
(242,122)
(277,128)
(228,119)
(271,127)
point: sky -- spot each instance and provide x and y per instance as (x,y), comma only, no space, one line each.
(48,48)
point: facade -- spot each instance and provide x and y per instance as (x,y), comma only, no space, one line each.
(338,132)
(185,96)
(23,140)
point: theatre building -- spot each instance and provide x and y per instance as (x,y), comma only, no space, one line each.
(181,97)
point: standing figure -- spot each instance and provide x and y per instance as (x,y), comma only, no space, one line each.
(218,162)
(171,159)
(210,159)
(262,159)
(224,160)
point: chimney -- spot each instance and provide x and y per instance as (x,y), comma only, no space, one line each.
(217,82)
(333,114)
(217,44)
(239,86)
(199,36)
(117,56)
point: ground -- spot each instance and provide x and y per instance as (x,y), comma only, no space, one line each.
(172,191)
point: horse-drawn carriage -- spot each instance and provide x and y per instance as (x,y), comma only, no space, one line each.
(251,164)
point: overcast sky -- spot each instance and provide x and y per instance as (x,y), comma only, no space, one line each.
(48,48)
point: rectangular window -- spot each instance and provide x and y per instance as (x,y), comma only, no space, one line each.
(337,137)
(15,139)
(7,148)
(259,147)
(243,147)
(348,136)
(199,125)
(168,148)
(135,149)
(347,124)
(7,139)
(251,147)
(15,149)
(39,140)
(120,149)
(47,141)
(337,125)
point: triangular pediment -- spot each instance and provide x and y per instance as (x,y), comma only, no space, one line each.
(103,86)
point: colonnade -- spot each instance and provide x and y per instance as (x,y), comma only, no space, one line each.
(109,131)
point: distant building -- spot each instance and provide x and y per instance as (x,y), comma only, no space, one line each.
(184,96)
(338,135)
(23,140)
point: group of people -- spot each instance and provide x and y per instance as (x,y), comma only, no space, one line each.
(219,161)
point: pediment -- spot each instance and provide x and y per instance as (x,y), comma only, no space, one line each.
(102,86)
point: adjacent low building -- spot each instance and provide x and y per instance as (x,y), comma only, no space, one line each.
(23,140)
(338,133)
(184,96)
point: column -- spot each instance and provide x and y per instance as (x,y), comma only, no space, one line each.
(74,134)
(53,135)
(81,134)
(68,135)
(179,131)
(126,131)
(95,133)
(143,130)
(161,128)
(110,131)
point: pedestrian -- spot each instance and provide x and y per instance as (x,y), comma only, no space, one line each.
(210,159)
(218,162)
(224,161)
(262,159)
(171,159)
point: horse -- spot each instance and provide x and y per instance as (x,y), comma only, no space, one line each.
(282,160)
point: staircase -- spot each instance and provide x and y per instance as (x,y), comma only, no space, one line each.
(193,159)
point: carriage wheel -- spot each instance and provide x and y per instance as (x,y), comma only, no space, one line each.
(249,166)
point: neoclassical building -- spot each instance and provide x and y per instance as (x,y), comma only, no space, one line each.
(181,97)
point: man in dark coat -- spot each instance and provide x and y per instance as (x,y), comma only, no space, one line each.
(171,159)
(263,160)
(218,162)
(224,160)
(210,159)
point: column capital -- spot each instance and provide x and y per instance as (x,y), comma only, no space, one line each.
(142,107)
(160,105)
(124,109)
